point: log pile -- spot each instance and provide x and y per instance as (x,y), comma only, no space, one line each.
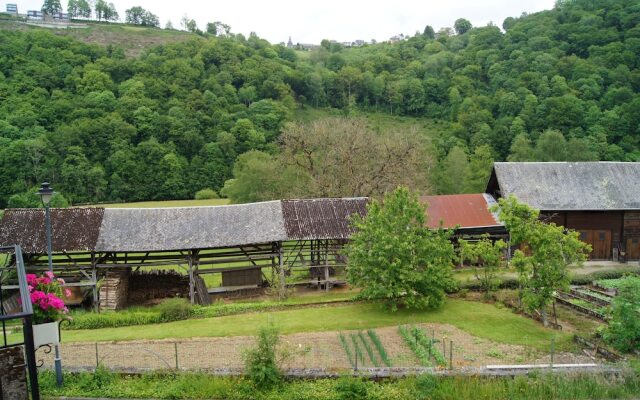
(114,289)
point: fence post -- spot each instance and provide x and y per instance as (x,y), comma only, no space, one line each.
(451,354)
(97,357)
(552,350)
(175,348)
(444,347)
(357,355)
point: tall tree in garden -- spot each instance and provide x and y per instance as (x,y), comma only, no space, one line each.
(51,7)
(394,257)
(548,251)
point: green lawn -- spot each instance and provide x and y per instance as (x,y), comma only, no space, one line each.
(167,203)
(478,319)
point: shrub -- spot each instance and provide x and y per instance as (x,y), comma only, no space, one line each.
(206,194)
(174,309)
(624,328)
(351,389)
(260,362)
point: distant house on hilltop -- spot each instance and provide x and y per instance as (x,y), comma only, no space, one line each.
(601,200)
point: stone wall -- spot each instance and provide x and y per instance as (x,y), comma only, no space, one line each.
(13,375)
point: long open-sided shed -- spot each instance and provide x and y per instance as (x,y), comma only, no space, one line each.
(601,200)
(236,241)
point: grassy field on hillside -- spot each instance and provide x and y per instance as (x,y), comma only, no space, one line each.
(479,319)
(132,39)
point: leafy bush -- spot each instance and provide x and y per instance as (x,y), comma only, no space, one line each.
(174,309)
(261,361)
(351,389)
(624,328)
(110,319)
(206,194)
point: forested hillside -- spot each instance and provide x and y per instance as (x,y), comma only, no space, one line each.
(557,85)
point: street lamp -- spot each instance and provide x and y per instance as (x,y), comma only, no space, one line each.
(46,194)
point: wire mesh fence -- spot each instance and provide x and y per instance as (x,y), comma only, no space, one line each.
(444,347)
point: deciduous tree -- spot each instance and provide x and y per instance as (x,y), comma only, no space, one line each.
(546,252)
(394,257)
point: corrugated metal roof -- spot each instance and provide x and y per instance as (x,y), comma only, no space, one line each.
(558,186)
(73,229)
(321,218)
(164,229)
(463,210)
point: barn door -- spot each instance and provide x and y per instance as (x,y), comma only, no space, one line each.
(600,242)
(601,245)
(633,248)
(587,237)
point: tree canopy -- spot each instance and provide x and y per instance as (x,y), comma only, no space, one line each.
(393,256)
(561,84)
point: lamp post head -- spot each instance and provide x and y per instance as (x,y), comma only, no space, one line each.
(46,193)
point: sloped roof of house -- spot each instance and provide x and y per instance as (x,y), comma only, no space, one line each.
(566,186)
(461,211)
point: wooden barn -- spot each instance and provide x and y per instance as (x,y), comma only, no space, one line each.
(249,245)
(601,200)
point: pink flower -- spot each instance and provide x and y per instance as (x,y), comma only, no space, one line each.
(67,292)
(32,279)
(60,281)
(49,275)
(44,281)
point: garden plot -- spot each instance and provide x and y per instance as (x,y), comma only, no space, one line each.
(584,303)
(306,351)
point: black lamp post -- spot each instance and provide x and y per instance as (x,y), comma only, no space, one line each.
(46,194)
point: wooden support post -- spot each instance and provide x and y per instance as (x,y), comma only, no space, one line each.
(94,280)
(192,294)
(282,286)
(326,278)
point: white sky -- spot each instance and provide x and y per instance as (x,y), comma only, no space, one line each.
(312,21)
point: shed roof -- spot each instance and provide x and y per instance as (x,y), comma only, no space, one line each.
(75,229)
(460,210)
(163,229)
(567,186)
(185,228)
(321,218)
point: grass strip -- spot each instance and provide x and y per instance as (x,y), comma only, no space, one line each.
(368,349)
(378,344)
(104,384)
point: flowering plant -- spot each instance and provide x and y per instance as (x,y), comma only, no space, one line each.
(46,292)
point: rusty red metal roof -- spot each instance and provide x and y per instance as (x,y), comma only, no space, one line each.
(73,229)
(462,210)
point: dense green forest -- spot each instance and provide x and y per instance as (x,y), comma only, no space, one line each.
(559,85)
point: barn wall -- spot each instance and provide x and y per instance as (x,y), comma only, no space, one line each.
(590,223)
